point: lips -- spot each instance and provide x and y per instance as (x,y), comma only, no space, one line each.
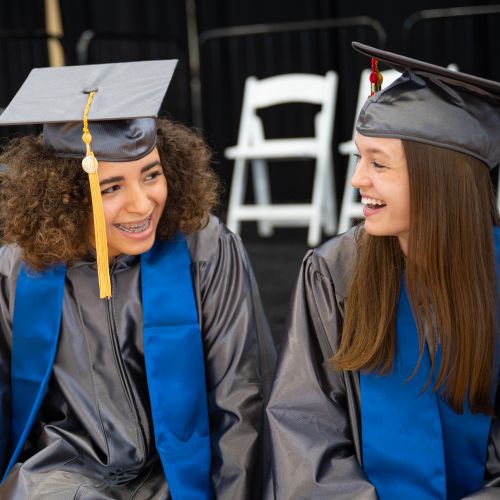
(135,227)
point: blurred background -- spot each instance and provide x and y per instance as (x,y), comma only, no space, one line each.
(219,43)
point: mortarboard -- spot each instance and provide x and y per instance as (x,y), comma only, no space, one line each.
(114,106)
(434,105)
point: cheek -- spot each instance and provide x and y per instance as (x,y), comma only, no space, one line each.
(161,193)
(405,198)
(111,210)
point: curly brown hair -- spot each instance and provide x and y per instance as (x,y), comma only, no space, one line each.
(45,199)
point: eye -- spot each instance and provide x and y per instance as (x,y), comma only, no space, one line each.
(357,156)
(377,165)
(110,189)
(153,175)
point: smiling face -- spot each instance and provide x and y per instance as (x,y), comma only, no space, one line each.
(133,197)
(382,178)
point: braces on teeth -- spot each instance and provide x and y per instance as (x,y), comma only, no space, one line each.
(135,228)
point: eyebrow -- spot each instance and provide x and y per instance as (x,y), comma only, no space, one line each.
(119,178)
(373,150)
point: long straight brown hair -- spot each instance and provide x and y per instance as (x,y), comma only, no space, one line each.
(450,279)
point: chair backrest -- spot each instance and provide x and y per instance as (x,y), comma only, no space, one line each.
(389,76)
(289,88)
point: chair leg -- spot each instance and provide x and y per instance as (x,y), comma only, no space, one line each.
(262,192)
(348,198)
(329,215)
(238,187)
(314,234)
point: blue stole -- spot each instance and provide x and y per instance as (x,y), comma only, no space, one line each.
(173,354)
(414,445)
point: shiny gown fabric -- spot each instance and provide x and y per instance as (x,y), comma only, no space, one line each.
(314,412)
(94,437)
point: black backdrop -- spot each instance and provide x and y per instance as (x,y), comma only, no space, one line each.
(224,13)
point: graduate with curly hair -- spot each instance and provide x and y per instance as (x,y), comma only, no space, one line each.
(134,352)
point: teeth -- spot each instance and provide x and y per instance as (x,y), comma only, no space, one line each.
(371,201)
(135,228)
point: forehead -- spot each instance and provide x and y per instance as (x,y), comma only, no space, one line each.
(390,147)
(126,167)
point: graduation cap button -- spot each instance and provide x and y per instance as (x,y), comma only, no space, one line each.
(89,164)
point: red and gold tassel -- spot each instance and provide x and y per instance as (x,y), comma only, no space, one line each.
(376,77)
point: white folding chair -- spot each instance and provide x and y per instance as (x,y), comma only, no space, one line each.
(254,148)
(351,208)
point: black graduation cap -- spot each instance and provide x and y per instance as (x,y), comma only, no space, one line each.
(127,99)
(436,106)
(95,112)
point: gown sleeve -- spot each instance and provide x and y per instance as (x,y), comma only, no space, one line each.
(9,267)
(240,357)
(313,415)
(4,384)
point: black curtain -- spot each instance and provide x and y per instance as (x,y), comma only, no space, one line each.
(16,15)
(22,47)
(224,13)
(132,17)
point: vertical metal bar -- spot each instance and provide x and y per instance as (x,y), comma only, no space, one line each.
(53,26)
(194,62)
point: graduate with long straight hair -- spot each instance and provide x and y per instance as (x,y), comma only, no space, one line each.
(135,356)
(386,385)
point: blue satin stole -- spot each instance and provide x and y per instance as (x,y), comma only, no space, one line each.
(414,445)
(173,355)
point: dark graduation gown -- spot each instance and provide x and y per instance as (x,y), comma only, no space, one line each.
(314,411)
(93,438)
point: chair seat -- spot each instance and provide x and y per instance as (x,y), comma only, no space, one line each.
(274,149)
(275,212)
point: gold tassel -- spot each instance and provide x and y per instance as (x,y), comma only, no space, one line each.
(90,165)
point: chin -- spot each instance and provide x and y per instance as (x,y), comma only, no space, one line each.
(374,231)
(140,249)
(135,249)
(385,231)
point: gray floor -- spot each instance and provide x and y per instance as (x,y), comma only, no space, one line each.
(276,262)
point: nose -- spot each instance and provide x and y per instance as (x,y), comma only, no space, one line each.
(138,201)
(360,177)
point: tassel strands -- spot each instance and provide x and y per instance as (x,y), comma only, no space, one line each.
(376,78)
(90,165)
